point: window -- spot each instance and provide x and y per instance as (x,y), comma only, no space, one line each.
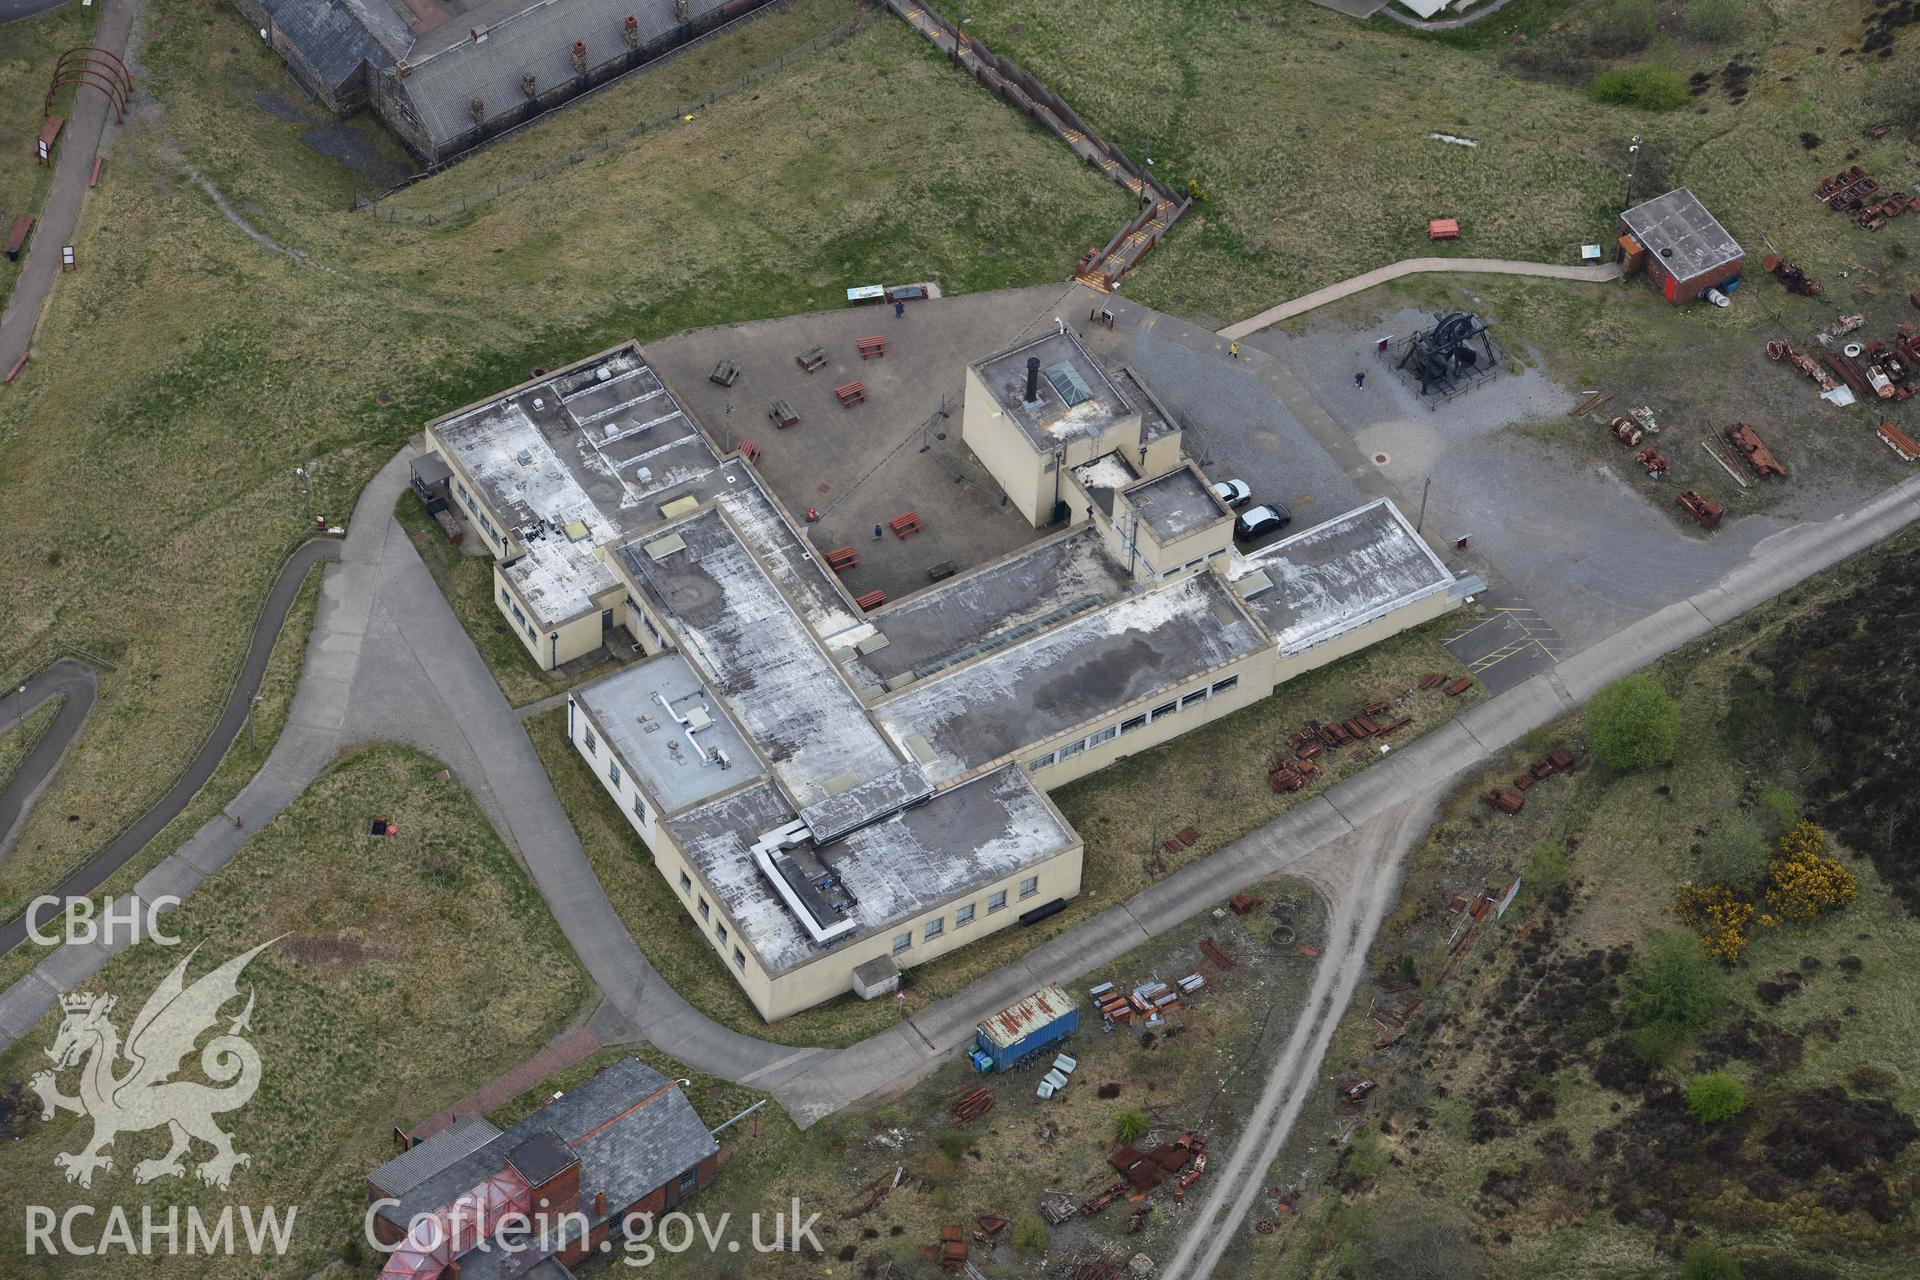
(518,616)
(1105,735)
(504,598)
(739,958)
(463,496)
(706,913)
(690,1179)
(1029,886)
(721,932)
(936,927)
(901,941)
(1165,710)
(1073,749)
(996,902)
(613,770)
(1198,695)
(530,634)
(963,916)
(593,744)
(1041,763)
(1137,722)
(1226,684)
(639,806)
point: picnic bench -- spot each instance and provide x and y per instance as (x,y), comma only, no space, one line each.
(1443,229)
(905,526)
(782,415)
(851,394)
(17,238)
(812,358)
(871,601)
(871,347)
(841,559)
(726,373)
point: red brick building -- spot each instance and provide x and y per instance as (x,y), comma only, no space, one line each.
(1682,248)
(474,1203)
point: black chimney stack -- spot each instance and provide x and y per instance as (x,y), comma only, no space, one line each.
(1033,379)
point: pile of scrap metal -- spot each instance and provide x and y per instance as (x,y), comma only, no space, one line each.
(1875,371)
(1844,325)
(1705,511)
(953,1249)
(1846,190)
(1057,1209)
(1795,280)
(1779,350)
(1626,431)
(1878,215)
(1899,441)
(1651,462)
(1146,1170)
(1758,456)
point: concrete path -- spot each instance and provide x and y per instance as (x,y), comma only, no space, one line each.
(91,874)
(1410,267)
(72,167)
(77,682)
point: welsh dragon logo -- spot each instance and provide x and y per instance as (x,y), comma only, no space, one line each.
(144,1095)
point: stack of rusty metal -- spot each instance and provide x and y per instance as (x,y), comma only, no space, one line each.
(1705,511)
(953,1249)
(1758,456)
(1558,760)
(1795,280)
(971,1105)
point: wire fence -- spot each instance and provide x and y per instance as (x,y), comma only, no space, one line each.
(378,207)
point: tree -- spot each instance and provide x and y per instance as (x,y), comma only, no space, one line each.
(1707,1262)
(1735,852)
(1413,1239)
(1672,987)
(1633,724)
(1715,1098)
(1129,1124)
(1030,1234)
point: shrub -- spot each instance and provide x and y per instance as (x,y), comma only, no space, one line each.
(1633,724)
(1712,21)
(1803,882)
(1546,870)
(1648,87)
(1720,918)
(1715,1098)
(1707,1262)
(953,1143)
(1673,987)
(1030,1234)
(1735,852)
(1129,1124)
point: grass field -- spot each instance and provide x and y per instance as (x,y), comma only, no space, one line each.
(1628,841)
(233,363)
(1308,132)
(1207,780)
(358,1005)
(28,50)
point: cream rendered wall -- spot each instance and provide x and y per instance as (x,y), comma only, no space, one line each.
(1255,674)
(626,791)
(551,647)
(1411,614)
(1162,456)
(1005,451)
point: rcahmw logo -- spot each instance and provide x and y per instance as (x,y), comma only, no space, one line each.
(127,1088)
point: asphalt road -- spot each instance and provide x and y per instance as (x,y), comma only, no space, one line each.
(14,10)
(77,681)
(266,629)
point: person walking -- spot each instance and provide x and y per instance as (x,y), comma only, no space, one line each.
(876,533)
(1233,350)
(1360,379)
(899,308)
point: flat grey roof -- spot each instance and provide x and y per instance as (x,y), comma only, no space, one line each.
(678,764)
(758,655)
(1068,372)
(1080,671)
(558,578)
(994,606)
(970,835)
(1105,476)
(1156,419)
(1677,229)
(1176,504)
(1339,575)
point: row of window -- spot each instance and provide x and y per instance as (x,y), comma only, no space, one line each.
(963,915)
(466,500)
(592,747)
(706,913)
(1131,723)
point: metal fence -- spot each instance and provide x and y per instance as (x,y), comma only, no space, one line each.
(378,207)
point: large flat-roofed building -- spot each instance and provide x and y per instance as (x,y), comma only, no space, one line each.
(836,794)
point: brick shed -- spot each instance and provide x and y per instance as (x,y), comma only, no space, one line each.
(1683,248)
